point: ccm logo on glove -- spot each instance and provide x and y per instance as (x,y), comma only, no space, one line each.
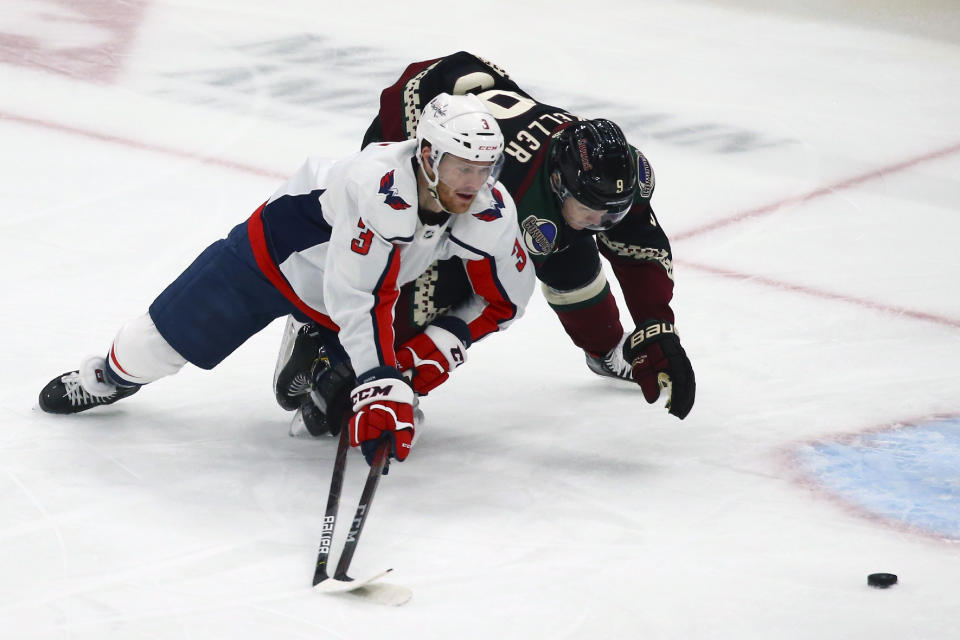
(370,394)
(382,408)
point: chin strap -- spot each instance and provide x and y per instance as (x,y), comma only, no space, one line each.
(432,183)
(436,198)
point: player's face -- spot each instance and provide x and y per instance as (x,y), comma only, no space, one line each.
(578,215)
(460,181)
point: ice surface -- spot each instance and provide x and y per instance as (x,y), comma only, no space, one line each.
(807,170)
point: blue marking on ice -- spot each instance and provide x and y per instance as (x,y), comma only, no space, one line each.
(910,474)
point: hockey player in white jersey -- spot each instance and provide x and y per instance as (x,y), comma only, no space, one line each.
(332,247)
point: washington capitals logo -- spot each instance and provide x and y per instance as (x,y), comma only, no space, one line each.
(439,109)
(390,191)
(493,212)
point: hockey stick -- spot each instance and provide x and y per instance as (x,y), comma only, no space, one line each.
(380,460)
(341,581)
(333,505)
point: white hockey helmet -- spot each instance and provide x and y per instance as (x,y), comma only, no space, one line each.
(461,126)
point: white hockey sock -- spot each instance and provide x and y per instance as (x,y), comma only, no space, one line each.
(139,354)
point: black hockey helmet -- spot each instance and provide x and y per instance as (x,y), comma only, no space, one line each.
(595,165)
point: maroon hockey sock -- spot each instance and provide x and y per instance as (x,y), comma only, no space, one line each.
(595,328)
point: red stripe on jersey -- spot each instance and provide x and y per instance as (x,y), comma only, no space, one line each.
(498,309)
(258,242)
(116,363)
(385,301)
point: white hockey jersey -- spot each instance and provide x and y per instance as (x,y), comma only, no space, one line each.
(339,239)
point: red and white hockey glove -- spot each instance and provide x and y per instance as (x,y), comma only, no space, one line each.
(382,407)
(659,362)
(431,356)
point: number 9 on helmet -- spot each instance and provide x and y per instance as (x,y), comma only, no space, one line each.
(592,161)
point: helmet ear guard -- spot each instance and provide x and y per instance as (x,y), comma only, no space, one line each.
(592,161)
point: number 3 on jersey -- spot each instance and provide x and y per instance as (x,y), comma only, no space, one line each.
(362,243)
(518,251)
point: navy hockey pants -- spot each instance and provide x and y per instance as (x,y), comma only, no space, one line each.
(220,301)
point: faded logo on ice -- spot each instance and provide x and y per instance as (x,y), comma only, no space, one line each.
(86,40)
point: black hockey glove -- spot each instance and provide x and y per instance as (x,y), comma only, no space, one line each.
(659,362)
(332,379)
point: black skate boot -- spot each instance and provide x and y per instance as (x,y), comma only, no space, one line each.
(299,351)
(66,393)
(612,364)
(324,408)
(309,421)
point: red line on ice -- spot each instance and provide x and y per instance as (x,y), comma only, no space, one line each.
(816,193)
(822,293)
(142,146)
(727,273)
(806,197)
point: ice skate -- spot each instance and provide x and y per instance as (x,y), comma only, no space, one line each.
(83,389)
(611,365)
(299,351)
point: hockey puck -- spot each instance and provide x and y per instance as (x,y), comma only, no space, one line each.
(882,580)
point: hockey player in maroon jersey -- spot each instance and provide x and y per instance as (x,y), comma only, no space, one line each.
(333,246)
(581,191)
